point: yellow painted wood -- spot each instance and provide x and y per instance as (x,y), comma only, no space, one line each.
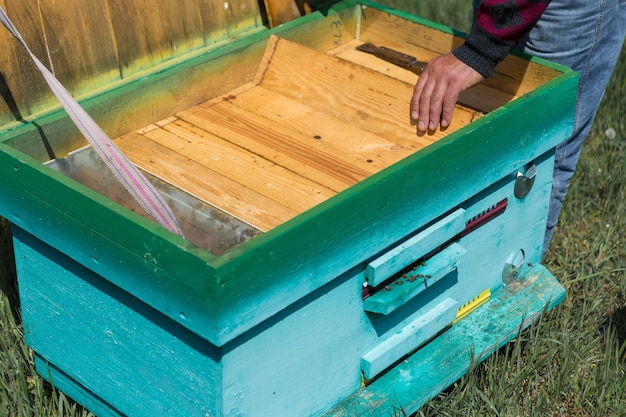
(476,302)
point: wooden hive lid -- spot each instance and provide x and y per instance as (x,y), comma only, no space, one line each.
(89,45)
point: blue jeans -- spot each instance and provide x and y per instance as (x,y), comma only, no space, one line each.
(587,36)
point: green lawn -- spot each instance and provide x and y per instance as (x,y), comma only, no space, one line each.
(571,363)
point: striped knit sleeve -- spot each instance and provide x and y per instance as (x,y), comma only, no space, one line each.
(499,26)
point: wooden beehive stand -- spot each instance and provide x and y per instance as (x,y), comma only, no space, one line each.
(309,126)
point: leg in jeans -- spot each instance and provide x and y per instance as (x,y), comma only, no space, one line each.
(586,36)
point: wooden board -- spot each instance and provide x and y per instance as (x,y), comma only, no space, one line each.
(514,76)
(482,97)
(89,45)
(279,146)
(21,82)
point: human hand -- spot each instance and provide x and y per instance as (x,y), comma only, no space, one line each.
(437,91)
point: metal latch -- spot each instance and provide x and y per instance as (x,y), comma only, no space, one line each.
(524,182)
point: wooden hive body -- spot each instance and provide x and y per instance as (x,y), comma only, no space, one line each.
(297,176)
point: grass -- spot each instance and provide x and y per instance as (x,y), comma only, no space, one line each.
(570,363)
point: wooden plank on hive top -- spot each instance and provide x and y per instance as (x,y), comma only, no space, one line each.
(351,142)
(353,94)
(514,76)
(300,153)
(481,97)
(204,183)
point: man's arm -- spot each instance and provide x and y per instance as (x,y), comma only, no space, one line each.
(499,26)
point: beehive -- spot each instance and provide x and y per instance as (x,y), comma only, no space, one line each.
(326,241)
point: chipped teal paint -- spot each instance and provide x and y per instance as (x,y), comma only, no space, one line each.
(439,364)
(131,359)
(135,320)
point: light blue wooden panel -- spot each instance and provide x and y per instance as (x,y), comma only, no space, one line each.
(416,332)
(74,390)
(430,370)
(414,282)
(303,360)
(118,356)
(124,351)
(413,249)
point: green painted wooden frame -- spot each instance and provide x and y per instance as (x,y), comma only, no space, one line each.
(220,298)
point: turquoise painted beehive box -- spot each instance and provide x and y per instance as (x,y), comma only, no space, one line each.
(334,261)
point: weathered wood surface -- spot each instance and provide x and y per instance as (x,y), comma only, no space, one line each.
(271,150)
(281,11)
(88,45)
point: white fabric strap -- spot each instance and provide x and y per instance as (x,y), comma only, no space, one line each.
(130,177)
